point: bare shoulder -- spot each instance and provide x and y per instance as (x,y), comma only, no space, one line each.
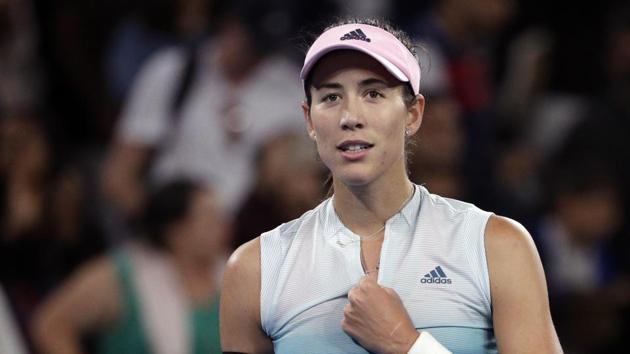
(96,279)
(89,299)
(245,255)
(100,268)
(244,263)
(240,325)
(504,235)
(512,257)
(518,290)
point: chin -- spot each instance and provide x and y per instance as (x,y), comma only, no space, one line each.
(355,179)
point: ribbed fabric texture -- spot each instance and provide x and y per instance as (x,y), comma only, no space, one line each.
(433,256)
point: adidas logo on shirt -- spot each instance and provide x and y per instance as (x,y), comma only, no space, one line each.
(436,276)
(356,34)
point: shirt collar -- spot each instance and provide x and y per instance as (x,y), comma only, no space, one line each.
(411,209)
(409,212)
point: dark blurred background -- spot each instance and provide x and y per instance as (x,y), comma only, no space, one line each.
(528,115)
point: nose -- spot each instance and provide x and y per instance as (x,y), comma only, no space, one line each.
(351,117)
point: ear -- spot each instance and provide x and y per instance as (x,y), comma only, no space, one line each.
(307,120)
(415,114)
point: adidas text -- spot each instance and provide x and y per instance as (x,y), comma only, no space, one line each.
(435,281)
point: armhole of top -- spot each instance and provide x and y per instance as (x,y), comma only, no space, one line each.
(264,303)
(483,265)
(271,256)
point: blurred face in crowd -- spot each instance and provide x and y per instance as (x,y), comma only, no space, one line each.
(437,153)
(492,15)
(592,214)
(233,41)
(290,173)
(192,15)
(23,148)
(358,117)
(202,233)
(480,17)
(441,139)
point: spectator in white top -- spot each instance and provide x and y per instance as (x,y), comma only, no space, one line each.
(201,114)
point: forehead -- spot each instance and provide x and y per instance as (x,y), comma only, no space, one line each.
(338,62)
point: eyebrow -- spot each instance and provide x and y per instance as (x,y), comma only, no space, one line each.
(374,81)
(329,85)
(363,83)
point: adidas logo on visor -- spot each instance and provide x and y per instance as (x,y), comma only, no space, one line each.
(436,276)
(356,34)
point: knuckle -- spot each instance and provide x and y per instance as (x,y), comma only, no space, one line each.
(346,326)
(352,291)
(390,292)
(347,310)
(351,297)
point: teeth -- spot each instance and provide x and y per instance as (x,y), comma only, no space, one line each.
(356,147)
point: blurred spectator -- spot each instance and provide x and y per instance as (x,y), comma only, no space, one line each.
(25,166)
(10,338)
(24,172)
(150,26)
(45,227)
(518,191)
(157,295)
(576,242)
(603,125)
(20,74)
(72,37)
(526,87)
(73,232)
(457,36)
(203,115)
(288,183)
(437,150)
(602,131)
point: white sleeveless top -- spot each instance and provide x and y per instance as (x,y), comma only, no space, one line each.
(433,256)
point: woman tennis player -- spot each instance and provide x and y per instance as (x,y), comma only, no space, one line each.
(383,266)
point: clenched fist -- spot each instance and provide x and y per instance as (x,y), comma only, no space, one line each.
(376,318)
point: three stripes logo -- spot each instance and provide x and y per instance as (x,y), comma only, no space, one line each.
(436,276)
(356,34)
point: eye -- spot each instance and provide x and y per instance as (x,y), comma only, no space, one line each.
(330,97)
(374,94)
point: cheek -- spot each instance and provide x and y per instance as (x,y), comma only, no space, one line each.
(394,136)
(324,130)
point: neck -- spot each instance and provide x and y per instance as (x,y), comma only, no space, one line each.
(364,209)
(196,276)
(193,267)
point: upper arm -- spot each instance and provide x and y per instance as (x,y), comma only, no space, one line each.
(520,305)
(89,299)
(241,329)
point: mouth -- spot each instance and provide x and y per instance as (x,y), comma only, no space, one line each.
(354,146)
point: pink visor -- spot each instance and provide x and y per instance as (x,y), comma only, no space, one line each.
(373,41)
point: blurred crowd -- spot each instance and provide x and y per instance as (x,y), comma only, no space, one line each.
(142,141)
